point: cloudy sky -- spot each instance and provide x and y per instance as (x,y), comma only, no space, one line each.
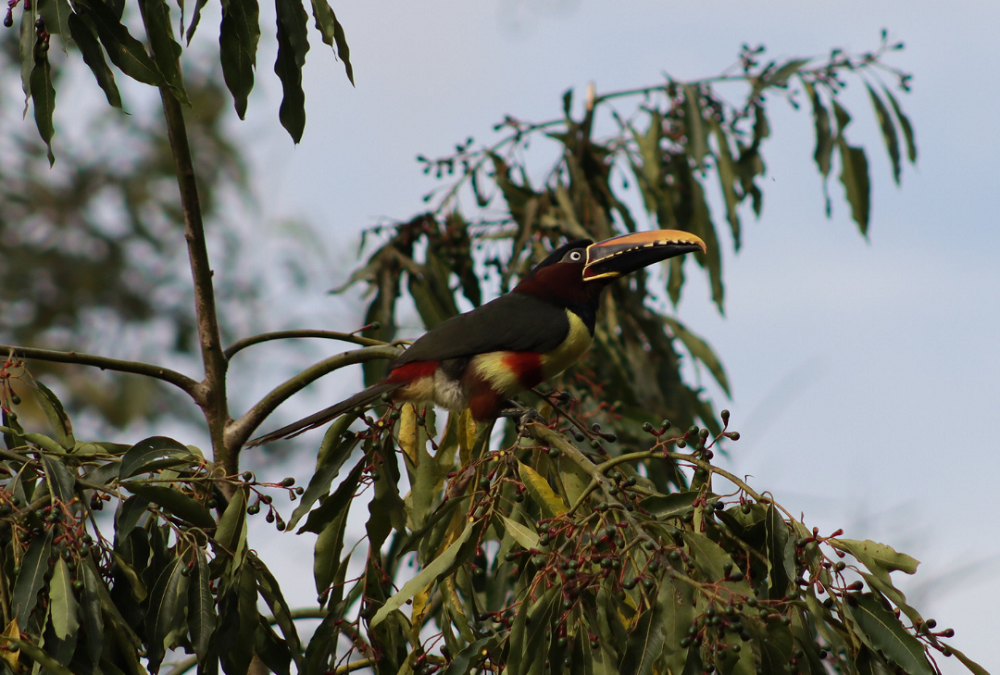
(865,374)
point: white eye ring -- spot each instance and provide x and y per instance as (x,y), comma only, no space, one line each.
(575,256)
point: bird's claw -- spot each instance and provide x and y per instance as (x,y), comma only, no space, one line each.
(522,415)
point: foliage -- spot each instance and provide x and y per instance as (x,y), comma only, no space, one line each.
(599,539)
(543,555)
(93,248)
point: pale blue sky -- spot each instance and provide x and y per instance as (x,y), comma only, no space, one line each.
(865,375)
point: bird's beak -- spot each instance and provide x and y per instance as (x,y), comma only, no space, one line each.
(622,255)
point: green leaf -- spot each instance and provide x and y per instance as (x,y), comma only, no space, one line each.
(471,653)
(64,606)
(888,131)
(55,14)
(40,657)
(888,635)
(292,47)
(528,633)
(904,124)
(270,590)
(201,617)
(879,558)
(62,479)
(727,180)
(854,178)
(31,578)
(123,568)
(967,662)
(43,94)
(524,535)
(231,534)
(195,19)
(90,605)
(449,560)
(124,50)
(175,502)
(165,617)
(322,646)
(694,125)
(26,48)
(780,553)
(333,33)
(700,350)
(166,51)
(645,644)
(541,492)
(239,35)
(338,443)
(153,453)
(271,649)
(326,555)
(670,506)
(824,136)
(46,399)
(780,76)
(333,506)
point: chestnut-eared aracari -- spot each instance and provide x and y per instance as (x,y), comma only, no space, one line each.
(479,359)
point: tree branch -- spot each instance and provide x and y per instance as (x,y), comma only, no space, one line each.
(183,382)
(238,431)
(240,345)
(214,404)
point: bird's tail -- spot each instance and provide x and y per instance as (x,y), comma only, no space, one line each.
(361,399)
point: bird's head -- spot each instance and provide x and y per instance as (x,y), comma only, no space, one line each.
(577,271)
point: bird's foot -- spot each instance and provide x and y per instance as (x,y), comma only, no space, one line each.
(521,414)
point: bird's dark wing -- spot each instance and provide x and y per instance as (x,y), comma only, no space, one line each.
(513,322)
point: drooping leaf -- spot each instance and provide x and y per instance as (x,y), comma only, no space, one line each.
(854,178)
(239,35)
(64,608)
(270,590)
(124,50)
(175,502)
(90,607)
(727,180)
(322,647)
(166,51)
(888,129)
(165,622)
(62,479)
(43,97)
(272,650)
(48,401)
(31,578)
(645,643)
(195,19)
(889,636)
(333,33)
(694,125)
(326,557)
(292,47)
(231,534)
(26,48)
(201,617)
(699,350)
(904,124)
(334,451)
(55,14)
(780,553)
(453,556)
(331,507)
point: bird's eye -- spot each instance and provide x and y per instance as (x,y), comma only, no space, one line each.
(574,256)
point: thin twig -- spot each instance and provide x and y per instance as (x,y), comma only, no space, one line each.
(239,430)
(240,345)
(183,382)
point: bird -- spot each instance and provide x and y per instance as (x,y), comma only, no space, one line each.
(480,359)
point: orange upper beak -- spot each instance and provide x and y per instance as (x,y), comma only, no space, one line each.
(625,254)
